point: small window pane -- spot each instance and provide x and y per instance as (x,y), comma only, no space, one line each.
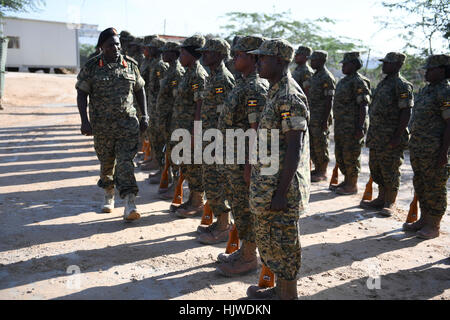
(13,43)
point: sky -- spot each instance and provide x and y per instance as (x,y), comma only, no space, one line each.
(355,19)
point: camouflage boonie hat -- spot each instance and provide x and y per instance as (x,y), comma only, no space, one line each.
(276,47)
(394,57)
(248,43)
(157,42)
(436,61)
(351,56)
(306,51)
(216,45)
(319,54)
(125,35)
(148,39)
(194,41)
(171,46)
(138,41)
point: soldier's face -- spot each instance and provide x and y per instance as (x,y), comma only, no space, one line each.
(242,61)
(146,52)
(317,63)
(433,75)
(391,67)
(267,66)
(211,58)
(347,68)
(111,48)
(300,59)
(186,58)
(169,56)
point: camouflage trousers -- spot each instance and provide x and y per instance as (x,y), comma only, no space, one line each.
(385,167)
(277,233)
(194,177)
(348,154)
(157,140)
(430,183)
(216,190)
(319,143)
(239,201)
(116,150)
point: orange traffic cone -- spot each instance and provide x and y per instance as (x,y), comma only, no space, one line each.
(335,177)
(233,241)
(413,210)
(208,215)
(368,193)
(164,184)
(148,152)
(178,196)
(144,145)
(266,278)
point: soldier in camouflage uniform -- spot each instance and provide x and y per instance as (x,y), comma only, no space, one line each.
(219,84)
(157,69)
(185,107)
(388,135)
(165,103)
(286,192)
(303,72)
(321,88)
(350,121)
(241,112)
(429,146)
(137,48)
(125,39)
(110,80)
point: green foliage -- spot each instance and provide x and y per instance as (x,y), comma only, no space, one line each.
(281,25)
(85,51)
(19,5)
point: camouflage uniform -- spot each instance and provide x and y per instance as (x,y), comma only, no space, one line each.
(167,94)
(303,73)
(392,94)
(432,110)
(188,93)
(242,108)
(351,92)
(321,86)
(157,69)
(113,118)
(278,233)
(219,84)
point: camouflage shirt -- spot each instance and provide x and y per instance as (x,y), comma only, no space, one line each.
(321,86)
(392,94)
(157,69)
(188,93)
(218,85)
(431,111)
(351,92)
(286,109)
(110,87)
(302,74)
(145,72)
(168,90)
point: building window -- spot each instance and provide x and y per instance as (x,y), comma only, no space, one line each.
(14,43)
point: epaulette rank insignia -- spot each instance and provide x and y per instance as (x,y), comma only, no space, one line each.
(125,64)
(101,64)
(286,115)
(252,103)
(219,90)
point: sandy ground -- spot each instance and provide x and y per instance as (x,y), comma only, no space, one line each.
(50,224)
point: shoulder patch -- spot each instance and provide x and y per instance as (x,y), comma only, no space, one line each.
(252,103)
(219,90)
(446,104)
(286,115)
(195,87)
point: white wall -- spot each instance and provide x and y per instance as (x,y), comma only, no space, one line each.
(42,44)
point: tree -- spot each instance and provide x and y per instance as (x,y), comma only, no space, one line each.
(281,25)
(19,5)
(429,18)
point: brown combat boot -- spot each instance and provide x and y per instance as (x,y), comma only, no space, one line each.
(205,229)
(242,264)
(376,204)
(350,187)
(175,207)
(416,226)
(258,293)
(219,234)
(430,230)
(321,174)
(389,207)
(194,209)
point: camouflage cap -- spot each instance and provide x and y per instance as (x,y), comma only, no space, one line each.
(171,46)
(276,47)
(319,55)
(248,43)
(438,60)
(216,45)
(194,41)
(306,51)
(157,42)
(351,56)
(394,57)
(148,39)
(125,35)
(138,41)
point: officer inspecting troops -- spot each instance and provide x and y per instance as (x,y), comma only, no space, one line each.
(242,109)
(321,88)
(429,146)
(350,121)
(303,72)
(110,80)
(278,199)
(388,135)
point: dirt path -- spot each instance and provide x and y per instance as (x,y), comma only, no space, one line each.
(49,221)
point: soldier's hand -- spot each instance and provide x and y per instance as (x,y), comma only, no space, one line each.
(279,203)
(144,124)
(86,129)
(394,143)
(442,160)
(359,134)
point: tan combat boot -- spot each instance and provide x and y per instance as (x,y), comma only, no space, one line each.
(194,209)
(258,293)
(220,233)
(288,290)
(376,204)
(389,207)
(108,202)
(131,213)
(431,228)
(242,264)
(350,187)
(416,226)
(321,174)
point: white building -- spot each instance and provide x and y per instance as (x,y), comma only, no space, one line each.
(36,44)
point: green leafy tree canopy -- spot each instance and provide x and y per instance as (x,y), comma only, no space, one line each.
(19,5)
